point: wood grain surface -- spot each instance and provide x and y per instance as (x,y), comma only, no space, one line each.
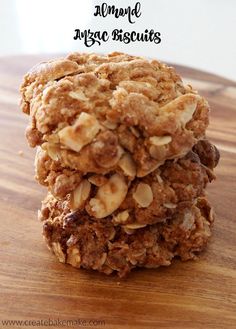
(34,286)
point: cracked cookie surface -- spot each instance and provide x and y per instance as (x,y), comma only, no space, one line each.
(92,110)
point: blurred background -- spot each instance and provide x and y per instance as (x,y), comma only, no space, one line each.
(196,33)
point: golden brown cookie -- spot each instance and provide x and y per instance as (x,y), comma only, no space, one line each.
(146,200)
(123,152)
(82,241)
(91,111)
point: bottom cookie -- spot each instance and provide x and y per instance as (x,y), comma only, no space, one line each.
(82,241)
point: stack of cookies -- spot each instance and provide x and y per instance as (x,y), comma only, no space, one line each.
(123,153)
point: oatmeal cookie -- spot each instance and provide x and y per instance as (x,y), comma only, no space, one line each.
(81,241)
(146,200)
(91,111)
(122,150)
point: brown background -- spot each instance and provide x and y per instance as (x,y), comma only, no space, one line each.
(34,285)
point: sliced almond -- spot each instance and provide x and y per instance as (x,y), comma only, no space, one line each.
(53,151)
(127,164)
(80,194)
(56,247)
(112,234)
(160,140)
(157,152)
(81,133)
(73,257)
(128,231)
(159,179)
(97,180)
(143,195)
(188,221)
(183,106)
(110,125)
(122,217)
(170,205)
(44,146)
(187,114)
(79,95)
(142,172)
(102,260)
(134,226)
(109,197)
(135,132)
(54,139)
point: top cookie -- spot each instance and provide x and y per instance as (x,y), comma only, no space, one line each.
(103,113)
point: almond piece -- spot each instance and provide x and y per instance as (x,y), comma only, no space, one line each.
(79,95)
(81,133)
(170,205)
(97,180)
(142,172)
(160,140)
(159,179)
(52,150)
(158,152)
(73,257)
(53,139)
(143,195)
(183,106)
(122,217)
(109,197)
(80,194)
(188,221)
(135,132)
(56,247)
(134,226)
(127,164)
(128,231)
(110,125)
(187,113)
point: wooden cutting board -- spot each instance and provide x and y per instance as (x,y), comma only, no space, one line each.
(34,286)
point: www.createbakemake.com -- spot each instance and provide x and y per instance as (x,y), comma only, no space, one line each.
(98,37)
(54,323)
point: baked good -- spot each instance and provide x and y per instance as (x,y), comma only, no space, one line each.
(122,150)
(82,241)
(148,200)
(91,111)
